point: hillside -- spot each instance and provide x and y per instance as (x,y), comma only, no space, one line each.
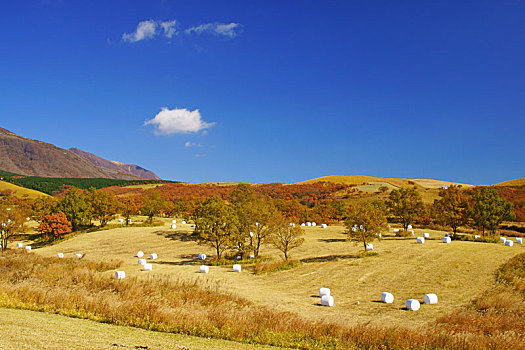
(131,169)
(18,191)
(515,182)
(387,181)
(29,157)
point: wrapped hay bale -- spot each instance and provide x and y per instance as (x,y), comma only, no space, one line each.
(509,243)
(409,227)
(503,239)
(142,262)
(412,305)
(314,224)
(183,222)
(324,225)
(121,220)
(447,239)
(28,247)
(327,300)
(476,236)
(303,224)
(252,256)
(19,245)
(173,226)
(430,298)
(519,240)
(396,230)
(387,298)
(120,275)
(79,255)
(308,224)
(420,240)
(173,221)
(324,291)
(369,246)
(140,254)
(236,268)
(148,267)
(153,256)
(202,256)
(60,255)
(412,232)
(426,235)
(204,269)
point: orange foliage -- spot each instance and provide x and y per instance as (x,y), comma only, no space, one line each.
(54,225)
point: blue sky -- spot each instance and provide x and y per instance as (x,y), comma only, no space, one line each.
(272,91)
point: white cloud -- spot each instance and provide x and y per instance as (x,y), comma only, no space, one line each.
(178,121)
(191,144)
(145,30)
(169,28)
(225,29)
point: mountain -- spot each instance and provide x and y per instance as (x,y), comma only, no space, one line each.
(29,157)
(131,169)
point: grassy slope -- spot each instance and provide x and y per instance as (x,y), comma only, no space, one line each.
(22,329)
(456,272)
(516,182)
(20,191)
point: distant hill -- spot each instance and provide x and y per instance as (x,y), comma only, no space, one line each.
(387,181)
(131,169)
(29,157)
(516,182)
(17,191)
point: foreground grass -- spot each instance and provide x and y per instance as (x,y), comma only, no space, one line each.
(22,329)
(87,290)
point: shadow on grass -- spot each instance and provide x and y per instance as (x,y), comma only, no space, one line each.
(332,240)
(175,235)
(329,258)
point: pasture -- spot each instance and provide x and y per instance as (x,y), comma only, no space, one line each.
(456,272)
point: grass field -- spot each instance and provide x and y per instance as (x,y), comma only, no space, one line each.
(20,192)
(516,182)
(457,272)
(22,329)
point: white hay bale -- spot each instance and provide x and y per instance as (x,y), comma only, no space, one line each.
(153,256)
(369,246)
(303,224)
(121,220)
(204,269)
(396,230)
(28,247)
(412,232)
(379,235)
(509,243)
(238,257)
(252,256)
(60,255)
(173,226)
(409,227)
(447,239)
(173,221)
(327,300)
(324,225)
(142,262)
(183,222)
(79,255)
(314,224)
(19,245)
(292,224)
(503,239)
(308,223)
(324,291)
(120,275)
(387,298)
(129,221)
(420,240)
(140,254)
(251,234)
(476,236)
(519,240)
(426,235)
(202,256)
(148,267)
(412,305)
(236,268)
(430,298)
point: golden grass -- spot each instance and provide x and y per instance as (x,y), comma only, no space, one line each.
(20,192)
(22,329)
(515,182)
(457,272)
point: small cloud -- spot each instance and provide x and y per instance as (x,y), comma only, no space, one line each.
(191,144)
(145,30)
(224,29)
(178,121)
(169,28)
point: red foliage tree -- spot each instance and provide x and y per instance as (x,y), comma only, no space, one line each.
(54,225)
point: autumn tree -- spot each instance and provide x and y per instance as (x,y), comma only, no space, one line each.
(450,209)
(152,204)
(43,206)
(406,204)
(364,222)
(12,220)
(54,225)
(76,208)
(487,209)
(216,225)
(128,206)
(287,237)
(103,205)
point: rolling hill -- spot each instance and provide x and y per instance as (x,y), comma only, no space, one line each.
(19,191)
(29,157)
(515,182)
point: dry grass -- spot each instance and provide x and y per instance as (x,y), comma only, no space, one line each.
(20,192)
(515,182)
(273,266)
